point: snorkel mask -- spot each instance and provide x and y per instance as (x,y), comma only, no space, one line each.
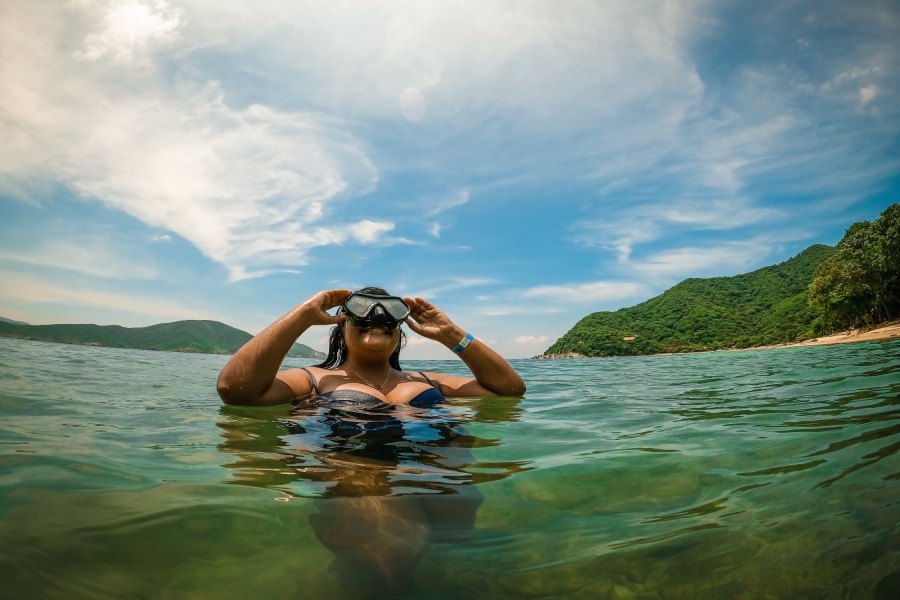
(375,310)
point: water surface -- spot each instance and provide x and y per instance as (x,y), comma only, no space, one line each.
(758,474)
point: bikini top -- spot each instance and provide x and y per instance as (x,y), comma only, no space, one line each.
(425,399)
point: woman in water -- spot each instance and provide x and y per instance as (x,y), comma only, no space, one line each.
(387,493)
(363,355)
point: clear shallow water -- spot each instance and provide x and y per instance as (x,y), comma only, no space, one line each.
(760,474)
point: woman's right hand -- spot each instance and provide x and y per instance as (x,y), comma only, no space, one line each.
(251,377)
(315,308)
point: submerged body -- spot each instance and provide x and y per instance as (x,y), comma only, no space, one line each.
(371,525)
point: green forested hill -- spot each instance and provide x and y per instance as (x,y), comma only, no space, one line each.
(181,336)
(767,306)
(5,320)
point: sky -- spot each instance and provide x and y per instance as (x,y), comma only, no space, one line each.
(520,164)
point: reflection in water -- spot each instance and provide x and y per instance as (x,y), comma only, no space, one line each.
(387,480)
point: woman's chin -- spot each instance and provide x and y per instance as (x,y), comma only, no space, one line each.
(377,337)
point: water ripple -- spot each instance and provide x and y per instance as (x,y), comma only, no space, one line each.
(726,474)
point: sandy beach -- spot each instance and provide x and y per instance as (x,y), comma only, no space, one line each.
(885,331)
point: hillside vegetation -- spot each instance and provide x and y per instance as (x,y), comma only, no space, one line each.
(767,306)
(211,337)
(859,285)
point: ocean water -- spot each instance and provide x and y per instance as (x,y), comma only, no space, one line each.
(757,474)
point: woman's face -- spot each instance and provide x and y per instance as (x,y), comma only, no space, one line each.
(371,341)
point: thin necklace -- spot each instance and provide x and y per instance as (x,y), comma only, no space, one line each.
(369,383)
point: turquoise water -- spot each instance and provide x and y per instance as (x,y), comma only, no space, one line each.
(759,474)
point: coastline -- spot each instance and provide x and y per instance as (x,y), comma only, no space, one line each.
(885,331)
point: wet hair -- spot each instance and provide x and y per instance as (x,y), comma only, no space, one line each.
(338,352)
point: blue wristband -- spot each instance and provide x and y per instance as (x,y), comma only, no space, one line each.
(463,343)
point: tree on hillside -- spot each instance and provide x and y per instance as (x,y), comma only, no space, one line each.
(888,228)
(860,283)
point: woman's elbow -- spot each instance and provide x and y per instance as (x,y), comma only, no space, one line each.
(515,387)
(233,394)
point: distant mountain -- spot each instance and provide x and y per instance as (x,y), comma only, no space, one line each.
(209,337)
(5,320)
(767,306)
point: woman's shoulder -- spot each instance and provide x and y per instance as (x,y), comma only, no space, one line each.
(432,374)
(315,370)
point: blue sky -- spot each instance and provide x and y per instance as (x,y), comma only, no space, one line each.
(520,164)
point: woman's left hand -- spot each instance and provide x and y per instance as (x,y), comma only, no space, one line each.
(429,321)
(493,374)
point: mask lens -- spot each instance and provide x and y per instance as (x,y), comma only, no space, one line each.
(361,305)
(376,322)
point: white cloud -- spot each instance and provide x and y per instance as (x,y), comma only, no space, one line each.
(720,215)
(129,29)
(618,233)
(691,262)
(716,259)
(515,308)
(367,231)
(851,75)
(440,205)
(622,232)
(459,55)
(451,284)
(36,294)
(499,94)
(531,340)
(412,103)
(867,94)
(590,292)
(87,257)
(248,187)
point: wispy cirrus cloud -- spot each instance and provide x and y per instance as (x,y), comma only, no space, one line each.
(680,261)
(439,205)
(448,284)
(41,300)
(84,256)
(713,259)
(247,186)
(554,299)
(531,340)
(591,292)
(515,308)
(720,215)
(650,222)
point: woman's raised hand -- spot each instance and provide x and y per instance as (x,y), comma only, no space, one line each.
(251,378)
(429,321)
(316,307)
(493,374)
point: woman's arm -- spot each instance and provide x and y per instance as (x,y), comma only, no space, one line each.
(251,378)
(492,373)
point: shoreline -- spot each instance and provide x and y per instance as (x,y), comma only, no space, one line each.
(885,331)
(879,333)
